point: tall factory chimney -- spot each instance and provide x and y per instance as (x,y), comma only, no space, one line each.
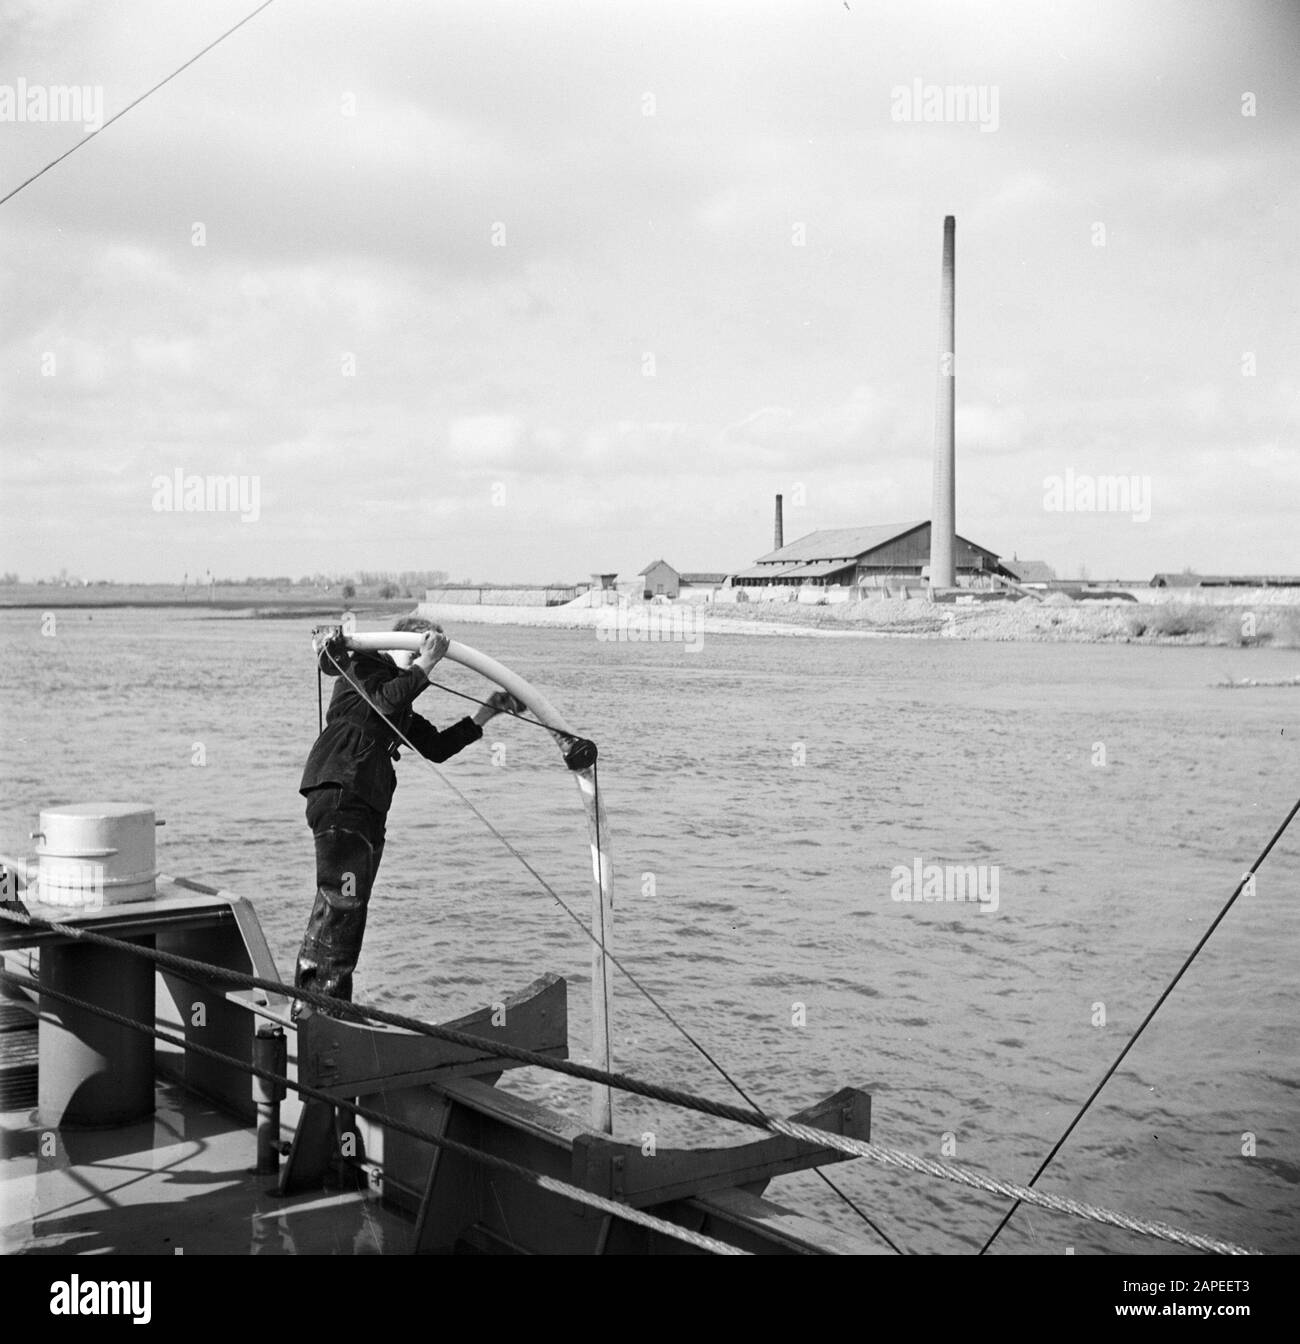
(943,510)
(778,531)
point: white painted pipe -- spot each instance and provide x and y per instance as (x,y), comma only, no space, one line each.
(411,640)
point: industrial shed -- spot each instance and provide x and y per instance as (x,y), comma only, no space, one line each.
(1189,580)
(662,580)
(865,556)
(1030,573)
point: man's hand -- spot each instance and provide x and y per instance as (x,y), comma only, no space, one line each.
(330,638)
(433,649)
(499,702)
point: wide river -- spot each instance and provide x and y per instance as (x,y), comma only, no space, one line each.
(764,796)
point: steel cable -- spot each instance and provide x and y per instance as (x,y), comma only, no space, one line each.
(880,1155)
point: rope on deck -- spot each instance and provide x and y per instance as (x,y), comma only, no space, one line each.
(549,1183)
(893,1158)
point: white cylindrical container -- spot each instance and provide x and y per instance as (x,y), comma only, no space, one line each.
(95,854)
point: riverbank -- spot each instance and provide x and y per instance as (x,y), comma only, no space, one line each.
(271,596)
(1236,625)
(1231,619)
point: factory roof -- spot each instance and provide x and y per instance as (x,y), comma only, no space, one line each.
(1030,571)
(818,569)
(836,543)
(695,576)
(764,571)
(843,544)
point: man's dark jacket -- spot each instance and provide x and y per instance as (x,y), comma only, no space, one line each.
(357,748)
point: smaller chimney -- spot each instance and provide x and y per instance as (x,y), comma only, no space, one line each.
(778,532)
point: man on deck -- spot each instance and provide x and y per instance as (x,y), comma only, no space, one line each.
(349,781)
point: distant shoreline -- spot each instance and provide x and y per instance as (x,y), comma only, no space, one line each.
(225,598)
(1248,620)
(1239,625)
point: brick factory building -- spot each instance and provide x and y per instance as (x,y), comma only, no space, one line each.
(863,557)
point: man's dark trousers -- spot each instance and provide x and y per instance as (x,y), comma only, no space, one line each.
(349,845)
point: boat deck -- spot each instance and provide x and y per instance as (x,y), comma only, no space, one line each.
(178,1183)
(183,1179)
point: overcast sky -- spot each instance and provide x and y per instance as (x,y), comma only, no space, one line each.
(611,275)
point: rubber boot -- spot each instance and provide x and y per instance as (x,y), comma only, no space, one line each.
(345,872)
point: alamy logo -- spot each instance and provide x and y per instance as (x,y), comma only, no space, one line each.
(1083,493)
(651,624)
(53,102)
(179,493)
(126,1297)
(945,882)
(59,882)
(919,101)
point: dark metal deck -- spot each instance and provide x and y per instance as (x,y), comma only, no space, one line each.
(178,1183)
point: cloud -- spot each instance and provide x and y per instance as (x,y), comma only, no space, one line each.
(987,428)
(350,332)
(483,441)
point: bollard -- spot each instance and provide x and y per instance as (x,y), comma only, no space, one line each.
(93,1072)
(270,1052)
(96,854)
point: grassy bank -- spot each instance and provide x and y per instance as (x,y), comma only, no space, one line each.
(1239,624)
(1234,626)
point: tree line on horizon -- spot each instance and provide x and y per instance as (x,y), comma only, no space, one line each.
(397,580)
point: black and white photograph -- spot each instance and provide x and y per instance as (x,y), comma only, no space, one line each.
(650,628)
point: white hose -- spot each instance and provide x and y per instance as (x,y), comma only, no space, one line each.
(545,712)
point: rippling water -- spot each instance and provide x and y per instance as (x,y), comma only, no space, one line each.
(748,883)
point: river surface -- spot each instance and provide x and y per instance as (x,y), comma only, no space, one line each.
(765,795)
